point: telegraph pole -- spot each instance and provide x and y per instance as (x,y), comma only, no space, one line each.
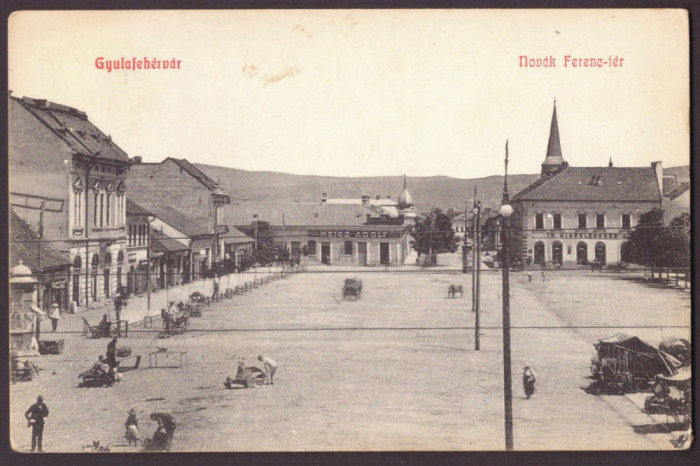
(506,212)
(477,270)
(39,290)
(464,243)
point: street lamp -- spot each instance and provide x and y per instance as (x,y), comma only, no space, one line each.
(506,211)
(255,257)
(477,269)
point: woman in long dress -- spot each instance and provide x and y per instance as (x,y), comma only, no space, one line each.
(528,382)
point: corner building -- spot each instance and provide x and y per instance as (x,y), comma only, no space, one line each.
(578,215)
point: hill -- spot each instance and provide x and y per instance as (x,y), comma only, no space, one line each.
(435,191)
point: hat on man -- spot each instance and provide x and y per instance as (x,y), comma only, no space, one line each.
(132,411)
(39,398)
(54,305)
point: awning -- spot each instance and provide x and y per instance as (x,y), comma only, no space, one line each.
(201,243)
(163,243)
(36,310)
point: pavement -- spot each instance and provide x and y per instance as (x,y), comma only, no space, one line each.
(394,370)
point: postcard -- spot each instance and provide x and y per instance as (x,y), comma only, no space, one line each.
(349,230)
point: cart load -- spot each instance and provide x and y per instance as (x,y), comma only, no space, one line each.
(625,364)
(352,288)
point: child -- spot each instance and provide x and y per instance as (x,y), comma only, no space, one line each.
(132,427)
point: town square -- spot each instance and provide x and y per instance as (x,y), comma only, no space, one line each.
(348,230)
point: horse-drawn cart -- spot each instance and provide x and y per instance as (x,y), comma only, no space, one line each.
(352,288)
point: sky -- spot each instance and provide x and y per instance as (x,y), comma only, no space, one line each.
(368,93)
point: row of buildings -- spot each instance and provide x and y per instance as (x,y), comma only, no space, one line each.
(87,219)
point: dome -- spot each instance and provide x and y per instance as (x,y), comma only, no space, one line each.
(20,273)
(405,199)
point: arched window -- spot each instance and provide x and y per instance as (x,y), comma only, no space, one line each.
(77,263)
(625,252)
(120,257)
(108,259)
(95,261)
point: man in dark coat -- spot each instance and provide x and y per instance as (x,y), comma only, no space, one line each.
(112,354)
(166,424)
(35,418)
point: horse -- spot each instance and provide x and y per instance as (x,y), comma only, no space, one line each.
(452,291)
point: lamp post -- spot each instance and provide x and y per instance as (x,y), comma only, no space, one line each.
(506,211)
(477,269)
(464,244)
(255,257)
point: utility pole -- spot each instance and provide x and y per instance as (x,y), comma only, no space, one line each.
(477,270)
(39,291)
(506,212)
(430,239)
(255,263)
(464,243)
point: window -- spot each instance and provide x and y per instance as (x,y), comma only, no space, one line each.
(600,221)
(626,221)
(582,221)
(102,209)
(108,216)
(348,248)
(556,221)
(312,247)
(539,221)
(94,214)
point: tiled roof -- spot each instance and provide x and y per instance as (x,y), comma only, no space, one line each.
(164,243)
(298,214)
(595,184)
(132,208)
(28,251)
(190,226)
(196,173)
(73,128)
(236,236)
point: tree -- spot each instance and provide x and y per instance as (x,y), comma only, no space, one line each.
(264,252)
(654,245)
(433,235)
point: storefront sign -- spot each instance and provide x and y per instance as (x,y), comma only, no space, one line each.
(583,235)
(354,234)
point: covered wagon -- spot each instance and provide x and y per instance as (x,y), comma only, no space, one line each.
(352,288)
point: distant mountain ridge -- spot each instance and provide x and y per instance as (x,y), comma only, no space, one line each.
(433,191)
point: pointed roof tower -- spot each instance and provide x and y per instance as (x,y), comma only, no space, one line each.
(405,199)
(554,162)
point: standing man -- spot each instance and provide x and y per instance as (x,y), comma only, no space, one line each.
(528,381)
(270,369)
(166,424)
(54,315)
(118,306)
(35,419)
(112,355)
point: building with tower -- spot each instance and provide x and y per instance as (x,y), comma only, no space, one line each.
(580,215)
(337,231)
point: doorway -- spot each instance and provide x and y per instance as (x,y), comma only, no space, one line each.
(600,252)
(384,254)
(362,253)
(557,253)
(539,253)
(582,253)
(326,253)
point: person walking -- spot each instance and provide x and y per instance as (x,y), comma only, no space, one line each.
(528,382)
(166,425)
(54,315)
(543,277)
(270,369)
(132,427)
(529,275)
(118,306)
(35,419)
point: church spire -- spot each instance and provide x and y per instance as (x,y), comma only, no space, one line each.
(554,162)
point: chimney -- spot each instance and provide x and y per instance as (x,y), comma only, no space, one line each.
(659,171)
(365,199)
(324,198)
(610,163)
(377,196)
(137,159)
(388,197)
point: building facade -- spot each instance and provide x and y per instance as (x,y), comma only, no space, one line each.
(579,215)
(176,182)
(363,231)
(69,179)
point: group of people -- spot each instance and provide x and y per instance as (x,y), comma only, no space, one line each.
(174,313)
(162,437)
